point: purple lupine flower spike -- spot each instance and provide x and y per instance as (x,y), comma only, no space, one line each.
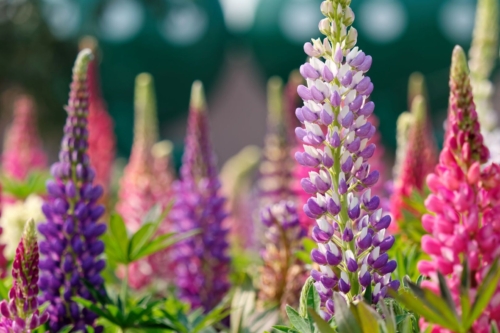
(350,230)
(282,275)
(202,262)
(71,245)
(20,314)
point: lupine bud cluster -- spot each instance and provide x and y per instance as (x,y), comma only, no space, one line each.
(419,159)
(20,314)
(22,152)
(483,58)
(282,275)
(465,201)
(102,140)
(71,247)
(351,228)
(202,261)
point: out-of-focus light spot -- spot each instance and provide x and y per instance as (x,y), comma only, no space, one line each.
(456,19)
(382,21)
(184,24)
(63,17)
(239,15)
(121,20)
(299,20)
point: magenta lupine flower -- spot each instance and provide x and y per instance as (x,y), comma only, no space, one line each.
(465,201)
(351,228)
(23,151)
(102,140)
(202,262)
(20,314)
(71,245)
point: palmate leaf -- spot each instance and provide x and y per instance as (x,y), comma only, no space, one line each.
(298,322)
(484,292)
(322,325)
(344,317)
(368,318)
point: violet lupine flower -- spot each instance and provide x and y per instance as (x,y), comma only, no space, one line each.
(102,140)
(351,228)
(71,245)
(202,262)
(465,202)
(23,151)
(282,275)
(20,314)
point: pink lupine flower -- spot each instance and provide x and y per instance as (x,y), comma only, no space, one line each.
(419,160)
(23,151)
(465,201)
(146,179)
(102,140)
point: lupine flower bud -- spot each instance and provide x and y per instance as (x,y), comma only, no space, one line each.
(199,206)
(72,217)
(464,201)
(282,275)
(22,151)
(335,145)
(20,314)
(102,140)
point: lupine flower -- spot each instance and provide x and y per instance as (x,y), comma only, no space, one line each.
(351,228)
(13,220)
(136,186)
(202,262)
(483,57)
(3,260)
(236,178)
(102,140)
(23,151)
(147,178)
(291,101)
(275,170)
(419,159)
(282,275)
(403,126)
(71,245)
(20,314)
(464,201)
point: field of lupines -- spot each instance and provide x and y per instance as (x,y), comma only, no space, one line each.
(309,235)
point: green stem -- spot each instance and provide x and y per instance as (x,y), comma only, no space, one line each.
(124,291)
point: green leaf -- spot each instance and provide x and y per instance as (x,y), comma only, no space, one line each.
(389,320)
(494,327)
(484,292)
(140,239)
(297,321)
(116,240)
(346,322)
(465,302)
(438,305)
(309,298)
(367,296)
(322,325)
(417,306)
(368,318)
(283,328)
(446,295)
(162,242)
(242,304)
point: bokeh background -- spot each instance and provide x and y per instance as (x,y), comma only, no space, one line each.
(233,46)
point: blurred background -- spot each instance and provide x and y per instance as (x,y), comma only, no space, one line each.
(233,46)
